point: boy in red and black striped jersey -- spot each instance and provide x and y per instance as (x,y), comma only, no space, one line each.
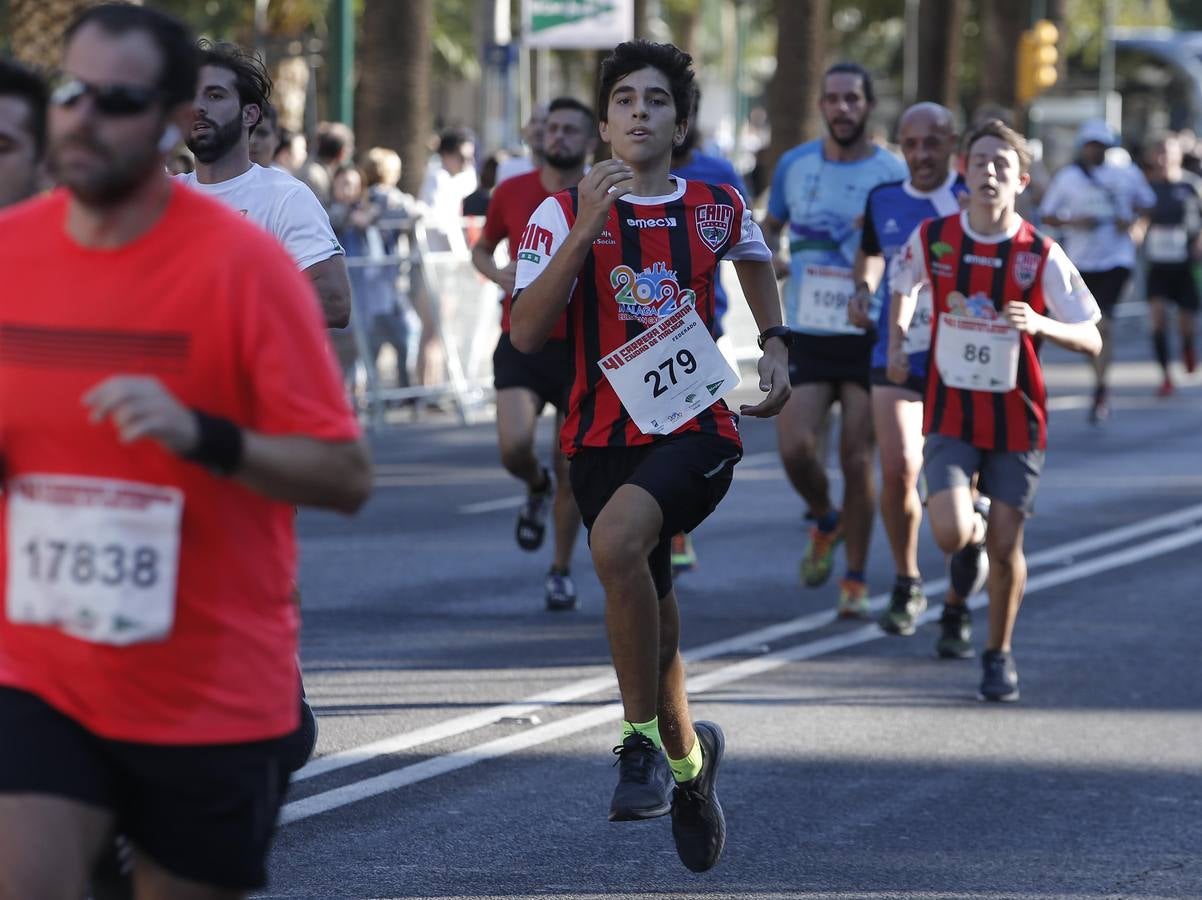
(631,253)
(999,287)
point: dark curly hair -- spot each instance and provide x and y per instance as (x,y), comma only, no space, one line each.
(676,65)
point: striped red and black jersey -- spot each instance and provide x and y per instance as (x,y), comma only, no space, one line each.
(667,248)
(1002,272)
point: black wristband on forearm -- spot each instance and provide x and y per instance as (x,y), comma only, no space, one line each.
(219,444)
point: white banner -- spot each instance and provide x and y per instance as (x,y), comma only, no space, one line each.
(600,24)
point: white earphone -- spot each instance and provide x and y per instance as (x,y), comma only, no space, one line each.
(169,139)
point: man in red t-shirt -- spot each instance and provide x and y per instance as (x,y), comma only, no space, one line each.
(998,288)
(632,255)
(154,443)
(526,383)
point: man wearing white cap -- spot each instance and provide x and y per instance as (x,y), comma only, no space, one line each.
(1094,203)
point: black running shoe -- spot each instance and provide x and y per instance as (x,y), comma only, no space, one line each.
(999,681)
(698,824)
(955,633)
(645,781)
(532,520)
(905,606)
(968,568)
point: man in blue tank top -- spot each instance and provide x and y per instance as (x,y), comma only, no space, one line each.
(819,190)
(927,135)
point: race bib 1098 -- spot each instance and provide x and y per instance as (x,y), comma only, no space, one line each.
(824,294)
(96,558)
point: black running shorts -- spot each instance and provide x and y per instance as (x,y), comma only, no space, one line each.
(205,813)
(547,373)
(1175,283)
(1107,287)
(912,383)
(831,359)
(687,474)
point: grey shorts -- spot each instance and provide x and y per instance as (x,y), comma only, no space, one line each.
(1009,477)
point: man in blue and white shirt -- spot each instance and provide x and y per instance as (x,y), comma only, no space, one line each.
(819,190)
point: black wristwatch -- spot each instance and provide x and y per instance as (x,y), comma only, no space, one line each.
(776,331)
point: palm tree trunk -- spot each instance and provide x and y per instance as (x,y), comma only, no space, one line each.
(1002,21)
(394,83)
(800,62)
(940,44)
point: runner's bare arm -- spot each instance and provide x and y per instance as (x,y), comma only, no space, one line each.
(333,287)
(771,227)
(290,468)
(901,312)
(758,282)
(306,471)
(1080,337)
(867,271)
(482,259)
(545,298)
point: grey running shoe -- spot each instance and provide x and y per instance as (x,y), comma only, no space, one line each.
(561,592)
(955,633)
(645,781)
(999,680)
(905,606)
(698,824)
(532,520)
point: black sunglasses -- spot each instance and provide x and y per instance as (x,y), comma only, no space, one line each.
(110,99)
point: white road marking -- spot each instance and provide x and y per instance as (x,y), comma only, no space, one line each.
(473,509)
(441,765)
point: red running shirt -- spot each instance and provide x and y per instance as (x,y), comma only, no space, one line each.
(215,309)
(512,204)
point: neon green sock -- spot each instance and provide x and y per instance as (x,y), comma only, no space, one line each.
(649,730)
(688,768)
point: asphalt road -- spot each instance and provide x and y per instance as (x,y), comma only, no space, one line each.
(466,733)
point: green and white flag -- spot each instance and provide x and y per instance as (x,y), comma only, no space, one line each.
(577,23)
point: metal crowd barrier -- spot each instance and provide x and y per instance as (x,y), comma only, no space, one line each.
(433,272)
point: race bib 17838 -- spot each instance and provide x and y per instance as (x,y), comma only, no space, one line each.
(96,558)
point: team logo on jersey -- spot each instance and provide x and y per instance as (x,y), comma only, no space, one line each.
(1026,265)
(891,226)
(941,249)
(649,295)
(974,306)
(713,223)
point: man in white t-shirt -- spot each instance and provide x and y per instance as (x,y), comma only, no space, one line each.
(232,90)
(230,97)
(1094,204)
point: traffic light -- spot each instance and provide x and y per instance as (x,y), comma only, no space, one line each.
(1037,58)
